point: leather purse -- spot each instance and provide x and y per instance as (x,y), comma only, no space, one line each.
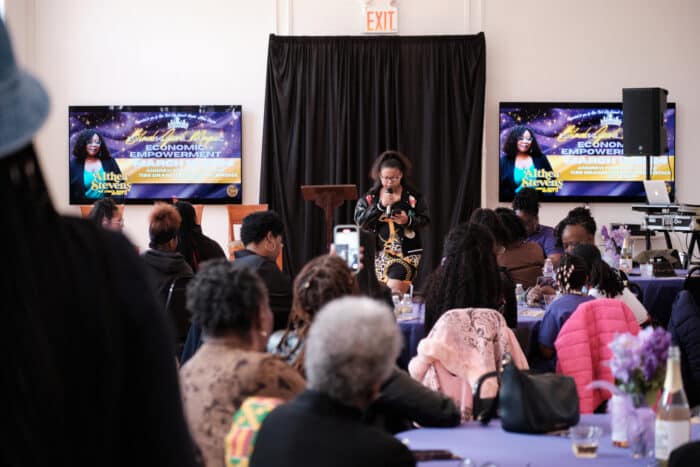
(529,402)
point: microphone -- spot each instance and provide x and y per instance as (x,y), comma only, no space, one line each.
(388,208)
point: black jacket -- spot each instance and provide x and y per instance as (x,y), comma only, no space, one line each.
(279,286)
(314,430)
(684,327)
(164,267)
(403,400)
(77,186)
(368,214)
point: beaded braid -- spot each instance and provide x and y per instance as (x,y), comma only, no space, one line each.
(571,273)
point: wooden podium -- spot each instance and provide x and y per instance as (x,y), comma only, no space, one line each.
(329,197)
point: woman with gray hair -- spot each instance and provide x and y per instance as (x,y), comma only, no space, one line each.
(402,399)
(324,425)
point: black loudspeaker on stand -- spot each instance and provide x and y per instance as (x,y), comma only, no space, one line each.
(643,121)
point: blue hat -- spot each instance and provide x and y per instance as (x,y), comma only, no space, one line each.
(24,103)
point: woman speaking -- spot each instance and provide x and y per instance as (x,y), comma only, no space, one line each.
(394,212)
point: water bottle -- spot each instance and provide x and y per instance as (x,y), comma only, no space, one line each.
(406,304)
(548,269)
(520,295)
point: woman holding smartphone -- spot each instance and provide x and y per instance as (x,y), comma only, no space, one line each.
(395,212)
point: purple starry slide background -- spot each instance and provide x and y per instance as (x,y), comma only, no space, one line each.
(116,123)
(548,120)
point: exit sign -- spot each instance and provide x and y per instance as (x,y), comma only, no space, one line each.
(381,20)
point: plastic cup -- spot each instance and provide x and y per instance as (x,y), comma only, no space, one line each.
(584,440)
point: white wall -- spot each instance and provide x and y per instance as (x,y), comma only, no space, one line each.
(214,52)
(555,50)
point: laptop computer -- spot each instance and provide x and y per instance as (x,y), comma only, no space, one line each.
(657,194)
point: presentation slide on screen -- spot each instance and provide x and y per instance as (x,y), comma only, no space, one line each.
(574,151)
(145,153)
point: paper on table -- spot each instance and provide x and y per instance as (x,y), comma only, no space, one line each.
(531,312)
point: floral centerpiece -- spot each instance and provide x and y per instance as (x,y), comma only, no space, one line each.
(638,363)
(613,239)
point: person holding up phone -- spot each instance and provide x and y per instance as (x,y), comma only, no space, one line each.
(395,212)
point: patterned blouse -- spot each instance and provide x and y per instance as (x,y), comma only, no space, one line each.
(216,381)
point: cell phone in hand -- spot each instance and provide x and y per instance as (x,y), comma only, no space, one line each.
(347,244)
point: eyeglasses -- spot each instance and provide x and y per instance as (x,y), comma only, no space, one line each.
(391,179)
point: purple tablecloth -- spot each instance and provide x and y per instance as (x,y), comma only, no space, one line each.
(658,294)
(491,443)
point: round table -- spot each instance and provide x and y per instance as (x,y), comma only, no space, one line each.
(491,443)
(658,293)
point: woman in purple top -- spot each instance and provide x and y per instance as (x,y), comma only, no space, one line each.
(527,206)
(572,277)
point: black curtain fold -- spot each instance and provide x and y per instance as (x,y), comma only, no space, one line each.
(332,104)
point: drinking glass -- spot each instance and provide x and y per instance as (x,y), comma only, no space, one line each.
(584,440)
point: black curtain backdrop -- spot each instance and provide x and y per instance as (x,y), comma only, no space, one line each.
(332,104)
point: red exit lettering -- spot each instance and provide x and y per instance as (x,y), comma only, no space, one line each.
(380,21)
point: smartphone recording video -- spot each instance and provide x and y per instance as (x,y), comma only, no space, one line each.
(347,244)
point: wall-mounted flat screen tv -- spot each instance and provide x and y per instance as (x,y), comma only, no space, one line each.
(142,154)
(574,152)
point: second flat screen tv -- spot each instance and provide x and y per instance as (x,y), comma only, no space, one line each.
(576,152)
(141,154)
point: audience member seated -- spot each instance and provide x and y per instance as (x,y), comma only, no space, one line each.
(527,207)
(572,278)
(105,213)
(262,236)
(401,400)
(231,308)
(523,260)
(192,243)
(164,263)
(350,352)
(684,327)
(582,347)
(88,376)
(468,276)
(577,228)
(605,282)
(489,219)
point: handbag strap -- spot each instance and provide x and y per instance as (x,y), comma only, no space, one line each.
(481,413)
(485,414)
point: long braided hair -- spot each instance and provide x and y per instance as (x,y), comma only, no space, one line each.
(600,275)
(468,275)
(321,280)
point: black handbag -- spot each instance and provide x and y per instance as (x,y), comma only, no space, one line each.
(529,402)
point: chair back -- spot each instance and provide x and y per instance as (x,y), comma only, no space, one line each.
(86,208)
(176,309)
(462,346)
(236,214)
(582,346)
